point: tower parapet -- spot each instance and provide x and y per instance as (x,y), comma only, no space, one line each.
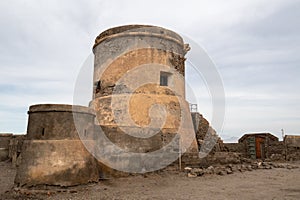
(55,122)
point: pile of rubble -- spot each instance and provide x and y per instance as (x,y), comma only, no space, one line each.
(230,168)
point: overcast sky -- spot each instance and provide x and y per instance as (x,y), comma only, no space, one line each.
(254,44)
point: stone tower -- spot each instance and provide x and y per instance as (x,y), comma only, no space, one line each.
(53,153)
(139,88)
(138,104)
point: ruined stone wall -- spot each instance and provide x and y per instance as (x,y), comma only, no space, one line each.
(211,146)
(201,125)
(236,147)
(15,148)
(206,135)
(275,150)
(4,139)
(292,147)
(4,144)
(292,153)
(284,150)
(10,147)
(292,140)
(53,154)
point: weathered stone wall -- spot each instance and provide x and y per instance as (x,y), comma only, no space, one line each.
(275,150)
(56,122)
(4,139)
(236,147)
(207,137)
(10,147)
(292,153)
(134,144)
(292,147)
(211,147)
(223,158)
(4,144)
(15,148)
(292,140)
(55,162)
(145,52)
(201,125)
(53,154)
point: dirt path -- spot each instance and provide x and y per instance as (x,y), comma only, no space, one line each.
(279,183)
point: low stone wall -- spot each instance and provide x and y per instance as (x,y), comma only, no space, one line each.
(292,140)
(224,158)
(276,150)
(292,153)
(4,139)
(10,147)
(189,159)
(15,148)
(292,145)
(236,147)
(4,143)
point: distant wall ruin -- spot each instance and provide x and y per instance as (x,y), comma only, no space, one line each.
(10,147)
(4,143)
(292,147)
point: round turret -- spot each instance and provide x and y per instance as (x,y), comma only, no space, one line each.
(139,85)
(55,122)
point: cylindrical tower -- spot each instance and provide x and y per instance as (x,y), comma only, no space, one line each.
(56,122)
(139,85)
(53,153)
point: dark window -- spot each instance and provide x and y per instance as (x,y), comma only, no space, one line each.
(164,79)
(98,86)
(43,132)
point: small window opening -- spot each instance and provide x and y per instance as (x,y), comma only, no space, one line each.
(85,133)
(98,87)
(164,78)
(43,131)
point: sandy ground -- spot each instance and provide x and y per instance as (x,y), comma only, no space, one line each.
(279,183)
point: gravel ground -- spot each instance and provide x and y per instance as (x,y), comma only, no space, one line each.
(277,183)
